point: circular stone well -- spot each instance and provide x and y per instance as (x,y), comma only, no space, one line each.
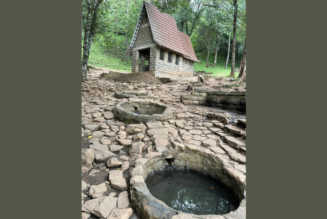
(185,158)
(142,111)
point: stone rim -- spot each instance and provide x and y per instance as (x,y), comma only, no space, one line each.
(150,204)
(123,113)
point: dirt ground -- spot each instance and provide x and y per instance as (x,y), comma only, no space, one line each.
(102,132)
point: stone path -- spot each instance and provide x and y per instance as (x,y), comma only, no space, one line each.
(110,147)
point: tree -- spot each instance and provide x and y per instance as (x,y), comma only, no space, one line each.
(243,62)
(228,50)
(89,32)
(234,39)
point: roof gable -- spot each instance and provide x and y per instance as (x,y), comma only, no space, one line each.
(165,32)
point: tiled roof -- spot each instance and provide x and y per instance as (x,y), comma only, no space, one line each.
(165,33)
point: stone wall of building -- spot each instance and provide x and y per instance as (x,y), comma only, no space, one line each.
(163,68)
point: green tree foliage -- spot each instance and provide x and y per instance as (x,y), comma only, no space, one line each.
(202,20)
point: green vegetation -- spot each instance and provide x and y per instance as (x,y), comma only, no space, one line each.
(101,57)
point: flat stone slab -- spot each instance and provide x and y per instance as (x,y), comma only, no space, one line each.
(115,148)
(236,130)
(233,142)
(238,157)
(114,162)
(209,143)
(121,213)
(123,201)
(102,206)
(135,128)
(136,148)
(117,181)
(156,124)
(158,131)
(102,155)
(97,191)
(217,150)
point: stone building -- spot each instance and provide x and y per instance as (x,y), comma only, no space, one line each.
(159,47)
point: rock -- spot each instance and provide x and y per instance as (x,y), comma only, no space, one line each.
(117,181)
(158,131)
(172,121)
(178,146)
(198,138)
(122,134)
(219,124)
(235,130)
(135,128)
(186,137)
(97,134)
(233,142)
(99,147)
(85,186)
(96,115)
(121,213)
(161,142)
(152,155)
(242,122)
(217,150)
(207,124)
(102,155)
(108,115)
(180,123)
(105,140)
(85,215)
(125,166)
(92,127)
(97,191)
(209,143)
(102,206)
(114,162)
(123,201)
(161,149)
(196,132)
(104,127)
(157,124)
(237,174)
(87,159)
(238,157)
(99,119)
(124,142)
(123,157)
(138,136)
(136,148)
(240,167)
(88,154)
(114,128)
(197,143)
(115,148)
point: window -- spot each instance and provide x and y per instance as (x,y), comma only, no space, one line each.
(162,54)
(170,57)
(177,60)
(146,62)
(185,61)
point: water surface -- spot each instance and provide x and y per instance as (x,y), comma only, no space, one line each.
(191,192)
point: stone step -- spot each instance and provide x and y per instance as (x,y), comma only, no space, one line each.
(236,130)
(235,143)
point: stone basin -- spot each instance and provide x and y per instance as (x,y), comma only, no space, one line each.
(186,158)
(142,111)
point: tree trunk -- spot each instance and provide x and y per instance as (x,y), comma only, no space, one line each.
(243,62)
(242,78)
(234,39)
(126,40)
(228,50)
(89,34)
(207,59)
(214,63)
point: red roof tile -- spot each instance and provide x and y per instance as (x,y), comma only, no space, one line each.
(165,33)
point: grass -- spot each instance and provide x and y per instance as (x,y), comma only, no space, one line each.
(100,57)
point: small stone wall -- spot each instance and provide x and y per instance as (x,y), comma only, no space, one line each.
(193,157)
(222,99)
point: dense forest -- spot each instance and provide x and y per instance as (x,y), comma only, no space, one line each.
(217,29)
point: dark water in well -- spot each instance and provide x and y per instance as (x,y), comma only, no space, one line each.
(191,192)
